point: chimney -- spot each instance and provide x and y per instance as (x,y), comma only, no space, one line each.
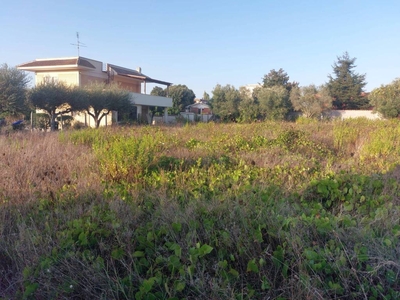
(139,69)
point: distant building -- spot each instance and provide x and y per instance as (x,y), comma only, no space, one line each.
(81,71)
(198,111)
(200,106)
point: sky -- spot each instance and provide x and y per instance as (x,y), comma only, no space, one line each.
(204,43)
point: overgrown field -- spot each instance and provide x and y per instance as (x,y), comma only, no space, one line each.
(211,211)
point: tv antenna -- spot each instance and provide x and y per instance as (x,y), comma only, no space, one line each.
(78,43)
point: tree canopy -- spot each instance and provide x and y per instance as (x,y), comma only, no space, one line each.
(273,102)
(312,101)
(345,85)
(13,88)
(278,78)
(157,91)
(206,96)
(98,100)
(386,99)
(248,106)
(181,96)
(225,102)
(56,98)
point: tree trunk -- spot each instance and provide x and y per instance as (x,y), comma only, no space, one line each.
(53,121)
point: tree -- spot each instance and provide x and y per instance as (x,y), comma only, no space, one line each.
(206,96)
(154,110)
(386,99)
(13,88)
(310,100)
(181,96)
(273,102)
(225,102)
(98,100)
(248,106)
(278,78)
(346,86)
(55,98)
(157,91)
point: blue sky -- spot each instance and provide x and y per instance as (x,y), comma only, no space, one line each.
(204,43)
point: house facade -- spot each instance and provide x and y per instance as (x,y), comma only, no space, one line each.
(198,111)
(81,71)
(200,106)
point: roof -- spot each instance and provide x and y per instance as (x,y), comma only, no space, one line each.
(82,63)
(70,62)
(134,74)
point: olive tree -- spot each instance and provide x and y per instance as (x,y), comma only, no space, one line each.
(386,99)
(98,100)
(55,99)
(225,102)
(273,102)
(310,100)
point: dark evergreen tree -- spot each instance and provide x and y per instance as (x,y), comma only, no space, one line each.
(278,78)
(346,86)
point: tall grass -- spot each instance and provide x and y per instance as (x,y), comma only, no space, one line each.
(263,211)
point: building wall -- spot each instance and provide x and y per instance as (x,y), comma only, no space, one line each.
(69,77)
(128,84)
(145,100)
(88,76)
(346,114)
(87,79)
(87,120)
(192,117)
(197,110)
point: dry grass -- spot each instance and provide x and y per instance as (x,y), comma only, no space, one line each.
(38,165)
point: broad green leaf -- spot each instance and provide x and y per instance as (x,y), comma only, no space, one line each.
(252,266)
(138,254)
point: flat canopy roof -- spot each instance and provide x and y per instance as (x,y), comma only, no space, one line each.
(135,74)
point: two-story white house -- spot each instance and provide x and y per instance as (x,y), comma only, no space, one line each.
(81,71)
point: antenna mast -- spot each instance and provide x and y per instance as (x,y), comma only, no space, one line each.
(78,43)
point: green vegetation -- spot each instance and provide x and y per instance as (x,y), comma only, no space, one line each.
(272,210)
(346,86)
(386,99)
(181,96)
(312,101)
(13,85)
(97,100)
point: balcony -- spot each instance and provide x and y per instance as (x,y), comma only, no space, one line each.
(150,100)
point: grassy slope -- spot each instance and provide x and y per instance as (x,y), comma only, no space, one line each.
(213,211)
